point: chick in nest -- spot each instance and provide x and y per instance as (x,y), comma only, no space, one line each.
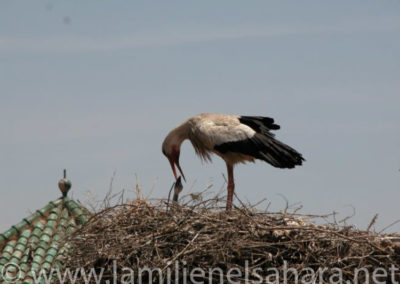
(177,189)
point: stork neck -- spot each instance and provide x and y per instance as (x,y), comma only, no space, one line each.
(179,134)
(182,132)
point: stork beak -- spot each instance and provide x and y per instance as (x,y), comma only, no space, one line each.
(174,162)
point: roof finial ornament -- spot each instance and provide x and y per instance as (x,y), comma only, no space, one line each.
(64,184)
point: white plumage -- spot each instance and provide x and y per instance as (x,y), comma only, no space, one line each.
(222,133)
(234,138)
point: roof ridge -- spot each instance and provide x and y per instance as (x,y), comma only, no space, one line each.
(79,212)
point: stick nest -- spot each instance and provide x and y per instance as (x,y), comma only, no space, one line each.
(202,235)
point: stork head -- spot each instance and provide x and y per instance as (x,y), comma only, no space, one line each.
(171,149)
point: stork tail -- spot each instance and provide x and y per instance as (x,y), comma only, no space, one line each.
(280,155)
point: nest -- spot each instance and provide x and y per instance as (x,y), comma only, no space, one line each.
(151,241)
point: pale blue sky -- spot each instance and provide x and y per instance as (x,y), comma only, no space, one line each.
(94,86)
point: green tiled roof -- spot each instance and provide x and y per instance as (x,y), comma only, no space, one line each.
(36,243)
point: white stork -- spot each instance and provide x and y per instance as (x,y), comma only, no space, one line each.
(236,139)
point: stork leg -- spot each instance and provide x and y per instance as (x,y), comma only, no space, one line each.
(231,187)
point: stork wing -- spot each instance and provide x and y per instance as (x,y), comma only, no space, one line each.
(215,130)
(209,131)
(248,136)
(214,133)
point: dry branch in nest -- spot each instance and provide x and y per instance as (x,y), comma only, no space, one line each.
(199,235)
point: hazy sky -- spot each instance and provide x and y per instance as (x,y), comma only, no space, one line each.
(94,87)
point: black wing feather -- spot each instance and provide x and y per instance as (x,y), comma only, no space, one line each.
(260,124)
(263,145)
(264,148)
